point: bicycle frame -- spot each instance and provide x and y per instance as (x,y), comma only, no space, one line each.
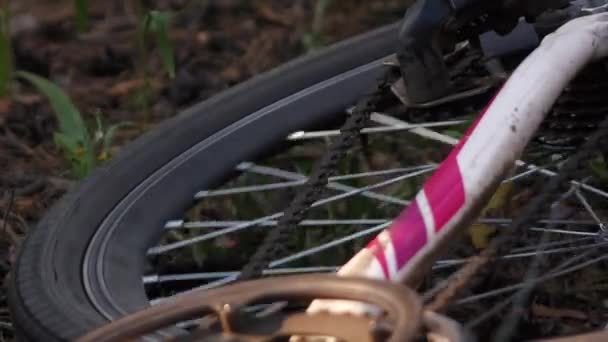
(459,189)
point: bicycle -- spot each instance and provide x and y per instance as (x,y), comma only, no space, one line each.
(83,265)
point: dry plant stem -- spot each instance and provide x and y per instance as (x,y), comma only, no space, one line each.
(8,208)
(144,58)
(5,227)
(13,142)
(6,47)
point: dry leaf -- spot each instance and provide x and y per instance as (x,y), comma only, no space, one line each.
(125,87)
(481,234)
(501,199)
(268,13)
(5,105)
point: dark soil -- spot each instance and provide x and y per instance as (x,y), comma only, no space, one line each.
(218,43)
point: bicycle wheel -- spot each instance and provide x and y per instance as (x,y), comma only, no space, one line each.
(97,256)
(56,293)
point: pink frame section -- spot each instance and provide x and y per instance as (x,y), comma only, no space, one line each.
(474,167)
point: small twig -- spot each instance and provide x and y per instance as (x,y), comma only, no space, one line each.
(490,313)
(6,229)
(12,141)
(8,209)
(36,181)
(30,189)
(21,221)
(61,183)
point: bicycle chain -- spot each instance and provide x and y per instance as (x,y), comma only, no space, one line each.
(325,168)
(313,189)
(278,237)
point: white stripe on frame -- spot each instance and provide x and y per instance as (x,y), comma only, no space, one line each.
(389,253)
(427,215)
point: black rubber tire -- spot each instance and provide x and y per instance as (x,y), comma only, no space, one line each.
(47,296)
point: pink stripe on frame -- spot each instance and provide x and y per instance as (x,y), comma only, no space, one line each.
(446,196)
(408,234)
(445,189)
(375,247)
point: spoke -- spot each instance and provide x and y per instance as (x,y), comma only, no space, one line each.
(533,281)
(592,189)
(453,262)
(155,278)
(421,131)
(498,308)
(563,231)
(213,284)
(269,171)
(268,220)
(372,187)
(178,224)
(179,244)
(228,277)
(526,173)
(433,135)
(328,245)
(382,172)
(301,135)
(552,251)
(511,319)
(165,248)
(302,181)
(504,221)
(207,286)
(247,189)
(553,222)
(553,219)
(589,209)
(533,270)
(551,244)
(309,223)
(572,261)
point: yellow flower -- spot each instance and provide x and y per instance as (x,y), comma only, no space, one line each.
(103,156)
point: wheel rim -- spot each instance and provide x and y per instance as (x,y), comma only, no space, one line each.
(360,79)
(112,305)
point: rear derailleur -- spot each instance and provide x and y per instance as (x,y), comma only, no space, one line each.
(434,31)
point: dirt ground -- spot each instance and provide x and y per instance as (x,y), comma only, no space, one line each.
(217,44)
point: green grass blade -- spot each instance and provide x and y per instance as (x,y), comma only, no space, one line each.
(314,39)
(319,15)
(6,65)
(73,135)
(159,23)
(108,136)
(80,159)
(68,116)
(82,15)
